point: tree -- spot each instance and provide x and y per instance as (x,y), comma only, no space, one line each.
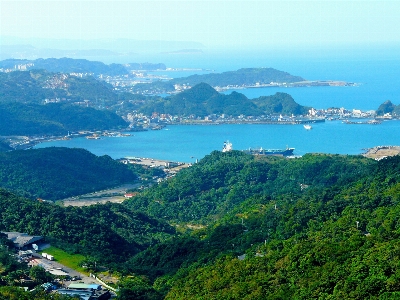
(39,274)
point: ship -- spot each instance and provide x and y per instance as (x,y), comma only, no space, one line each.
(261,151)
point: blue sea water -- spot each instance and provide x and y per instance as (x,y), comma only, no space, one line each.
(377,73)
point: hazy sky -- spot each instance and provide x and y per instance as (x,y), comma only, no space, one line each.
(212,23)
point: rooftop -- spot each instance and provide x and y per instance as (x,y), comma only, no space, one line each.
(22,239)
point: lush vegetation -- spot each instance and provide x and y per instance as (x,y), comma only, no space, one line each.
(221,181)
(109,233)
(71,260)
(54,119)
(248,227)
(202,100)
(335,237)
(56,173)
(340,242)
(280,103)
(241,77)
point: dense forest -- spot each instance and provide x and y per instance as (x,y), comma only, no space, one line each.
(333,236)
(244,227)
(202,100)
(56,173)
(54,119)
(280,103)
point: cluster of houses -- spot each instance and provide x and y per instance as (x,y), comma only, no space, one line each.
(28,245)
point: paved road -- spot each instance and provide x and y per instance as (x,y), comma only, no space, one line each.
(53,265)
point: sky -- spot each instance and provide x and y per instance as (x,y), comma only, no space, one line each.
(211,23)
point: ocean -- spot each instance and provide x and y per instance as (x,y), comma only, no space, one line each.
(376,73)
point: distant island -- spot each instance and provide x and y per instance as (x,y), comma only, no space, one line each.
(242,78)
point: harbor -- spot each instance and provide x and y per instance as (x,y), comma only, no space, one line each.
(190,143)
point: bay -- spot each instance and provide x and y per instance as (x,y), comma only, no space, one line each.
(188,143)
(377,71)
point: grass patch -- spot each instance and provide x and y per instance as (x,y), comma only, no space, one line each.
(70,260)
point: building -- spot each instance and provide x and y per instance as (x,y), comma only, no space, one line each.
(22,240)
(86,294)
(84,286)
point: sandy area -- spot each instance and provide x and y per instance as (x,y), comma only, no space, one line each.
(380,152)
(114,195)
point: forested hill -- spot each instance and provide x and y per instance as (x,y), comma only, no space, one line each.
(245,76)
(54,119)
(248,227)
(56,173)
(388,108)
(220,181)
(317,227)
(241,77)
(202,100)
(106,233)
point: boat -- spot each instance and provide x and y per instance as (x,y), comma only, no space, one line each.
(307,126)
(261,151)
(227,146)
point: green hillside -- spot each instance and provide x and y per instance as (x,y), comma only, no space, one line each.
(334,236)
(336,243)
(54,119)
(247,227)
(56,173)
(280,103)
(109,233)
(388,107)
(202,100)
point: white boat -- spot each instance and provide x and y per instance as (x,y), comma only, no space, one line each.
(227,146)
(307,126)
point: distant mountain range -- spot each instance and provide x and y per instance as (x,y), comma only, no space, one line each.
(70,65)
